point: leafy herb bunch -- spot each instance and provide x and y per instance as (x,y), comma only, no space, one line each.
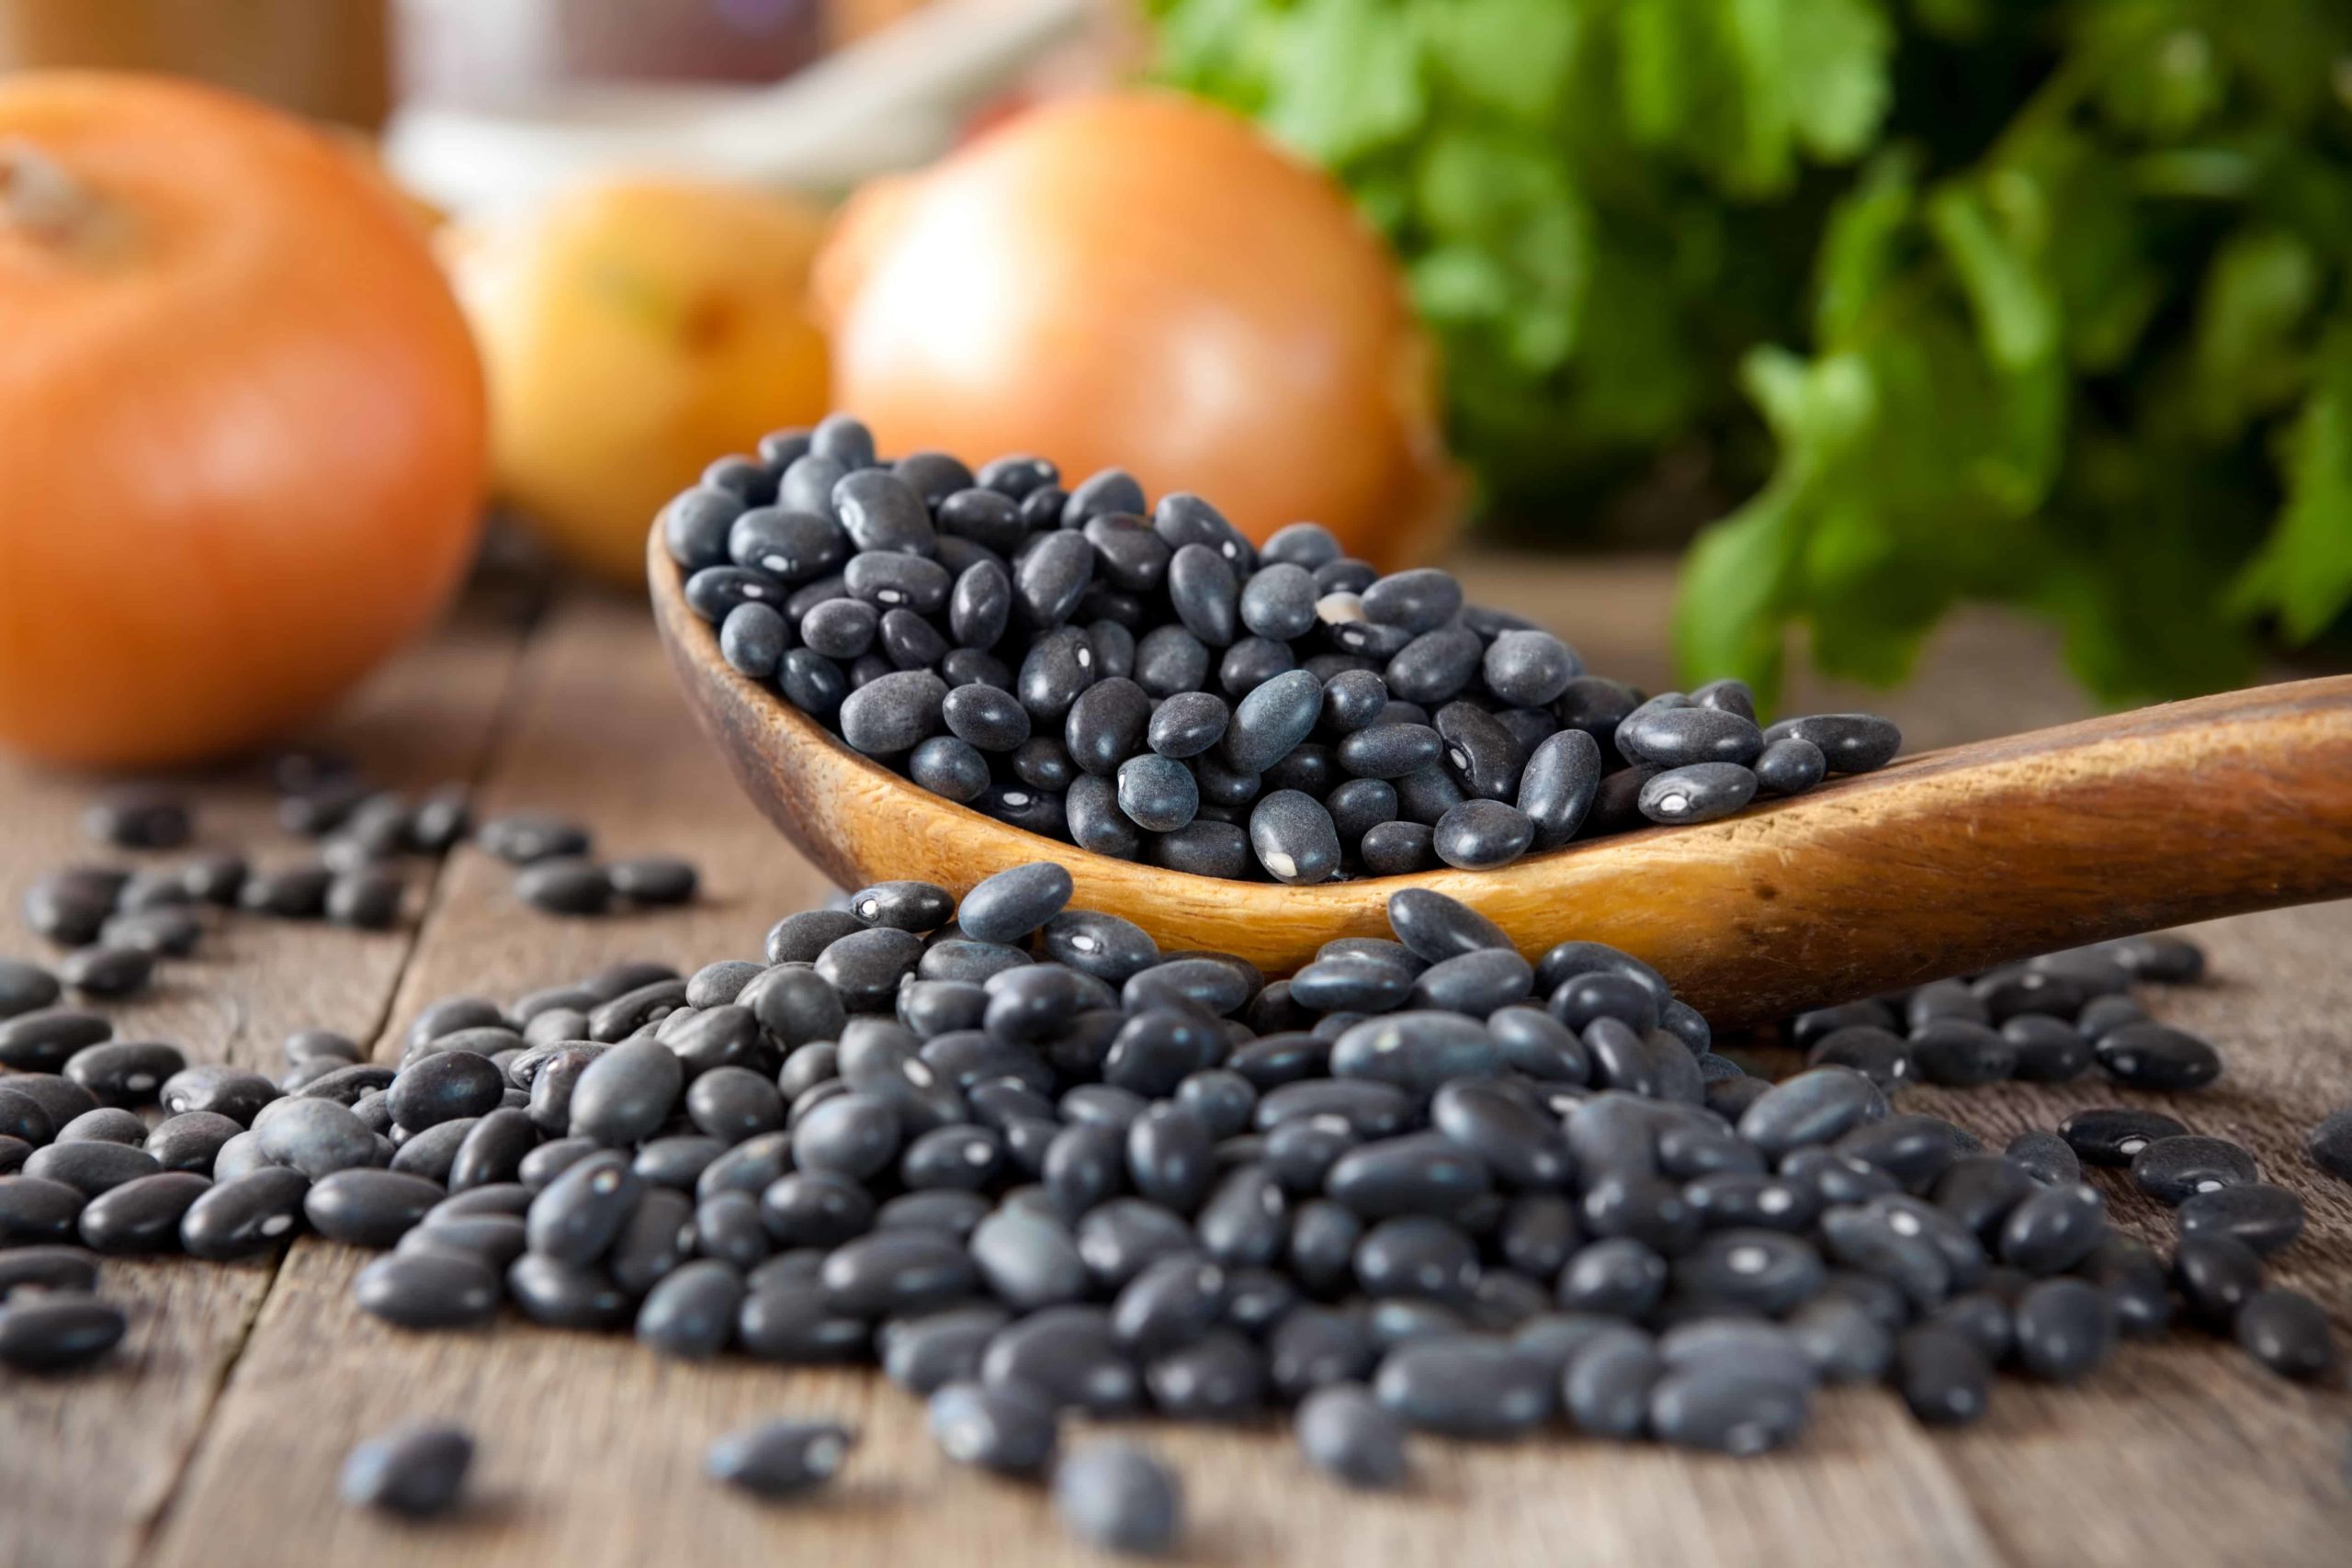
(2039,300)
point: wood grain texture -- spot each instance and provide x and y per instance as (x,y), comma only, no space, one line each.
(86,1462)
(1955,860)
(2179,1453)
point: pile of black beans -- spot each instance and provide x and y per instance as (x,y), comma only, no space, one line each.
(1157,688)
(1031,1165)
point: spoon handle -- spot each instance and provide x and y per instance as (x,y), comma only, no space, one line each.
(1962,859)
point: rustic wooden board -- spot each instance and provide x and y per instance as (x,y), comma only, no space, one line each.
(89,1461)
(591,1449)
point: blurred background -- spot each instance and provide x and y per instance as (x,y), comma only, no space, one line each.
(1871,306)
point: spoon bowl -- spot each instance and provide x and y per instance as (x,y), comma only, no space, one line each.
(1941,863)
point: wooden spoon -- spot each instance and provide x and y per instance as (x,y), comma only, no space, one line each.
(1940,863)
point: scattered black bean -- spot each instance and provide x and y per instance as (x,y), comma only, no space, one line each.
(416,1472)
(2288,1333)
(1114,1496)
(781,1459)
(2264,1217)
(44,1331)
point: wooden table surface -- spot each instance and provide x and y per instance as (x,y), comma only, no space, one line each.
(212,1436)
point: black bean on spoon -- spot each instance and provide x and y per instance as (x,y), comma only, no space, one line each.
(1227,680)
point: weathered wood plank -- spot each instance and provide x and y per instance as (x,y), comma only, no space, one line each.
(90,1459)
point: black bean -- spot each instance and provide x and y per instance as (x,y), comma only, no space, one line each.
(1294,838)
(1068,1355)
(2113,1135)
(117,1073)
(694,525)
(1205,594)
(2046,1157)
(1434,667)
(41,1331)
(416,1472)
(441,1087)
(653,880)
(1419,600)
(1816,1107)
(1958,1054)
(366,900)
(428,1290)
(494,1241)
(190,1142)
(319,1137)
(108,1124)
(1942,1376)
(1850,742)
(368,1207)
(47,1038)
(1012,904)
(48,1269)
(25,988)
(1726,1411)
(2288,1333)
(2263,1217)
(248,1215)
(106,971)
(1396,848)
(625,1094)
(138,816)
(1030,1260)
(1056,669)
(142,1214)
(90,1166)
(2064,1328)
(1221,1377)
(1005,1428)
(524,837)
(1105,725)
(1485,757)
(1465,1388)
(1529,668)
(2173,1169)
(1170,1158)
(2048,1050)
(816,1209)
(1115,1497)
(1050,576)
(36,1210)
(2151,1056)
(1877,1054)
(894,713)
(1677,738)
(1700,792)
(897,1272)
(890,580)
(2053,1230)
(1386,751)
(1272,721)
(2215,1275)
(1607,1383)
